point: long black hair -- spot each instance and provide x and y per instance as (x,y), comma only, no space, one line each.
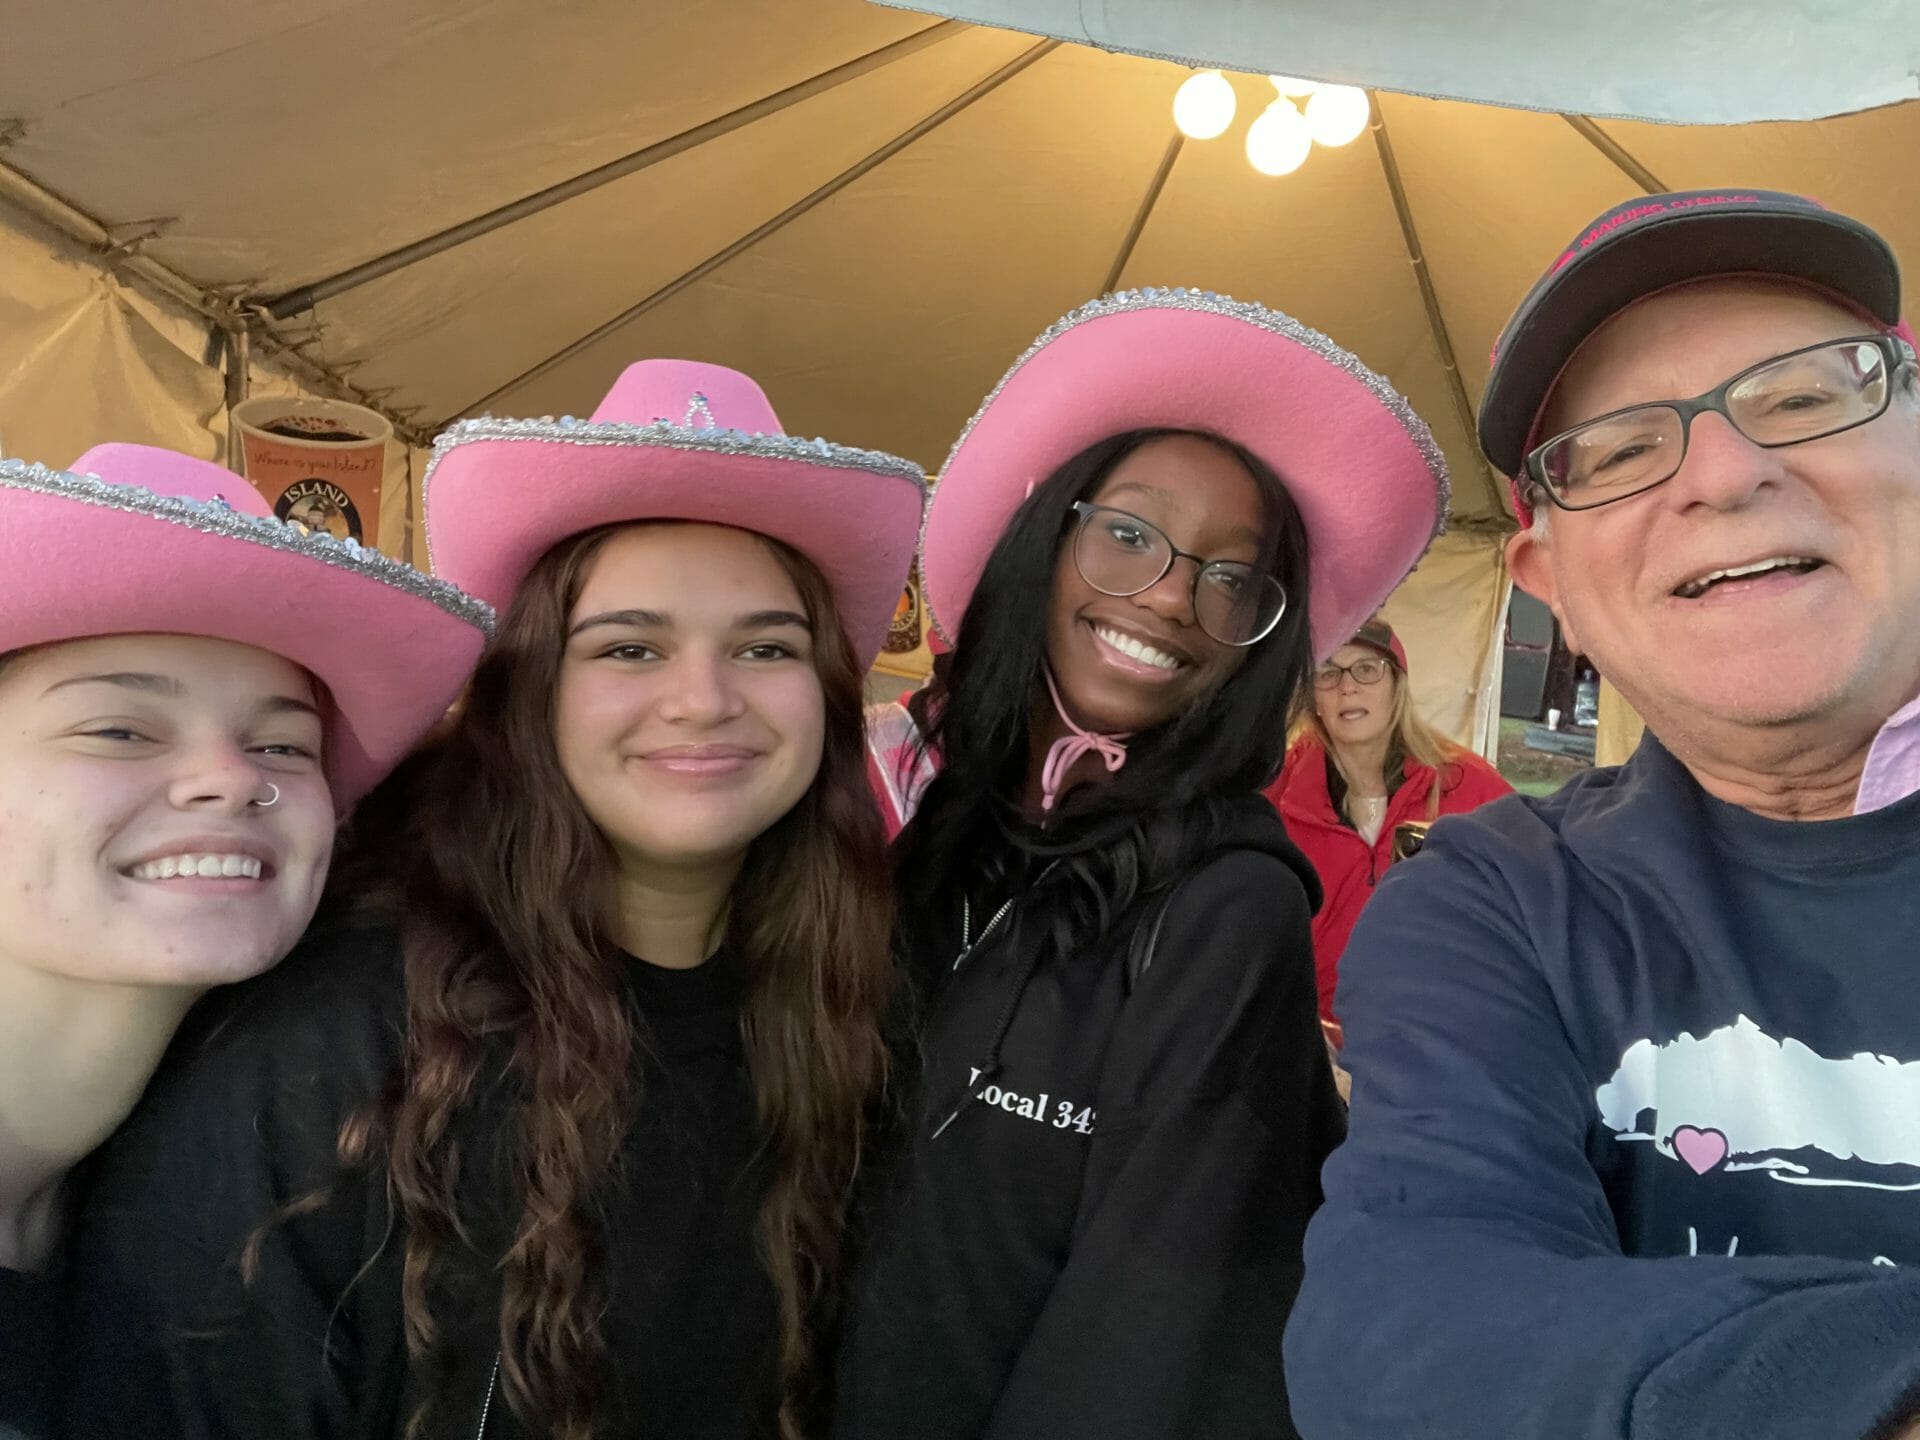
(1183,781)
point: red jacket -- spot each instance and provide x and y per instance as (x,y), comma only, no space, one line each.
(1348,867)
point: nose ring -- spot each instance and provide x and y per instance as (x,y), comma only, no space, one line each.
(263,804)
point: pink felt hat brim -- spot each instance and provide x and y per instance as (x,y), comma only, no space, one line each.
(495,505)
(392,661)
(1364,471)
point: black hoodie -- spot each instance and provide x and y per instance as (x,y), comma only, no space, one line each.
(28,1316)
(1101,1237)
(168,1342)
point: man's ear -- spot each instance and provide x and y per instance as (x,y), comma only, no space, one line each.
(1530,562)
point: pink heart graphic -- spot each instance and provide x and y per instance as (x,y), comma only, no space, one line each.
(1701,1149)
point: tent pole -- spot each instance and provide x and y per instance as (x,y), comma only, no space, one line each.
(307,296)
(1147,202)
(1617,153)
(786,217)
(239,356)
(27,195)
(1429,297)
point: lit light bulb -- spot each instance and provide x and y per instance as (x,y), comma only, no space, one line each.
(1292,88)
(1279,142)
(1336,114)
(1203,105)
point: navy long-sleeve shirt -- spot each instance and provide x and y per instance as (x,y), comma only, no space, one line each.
(1635,1145)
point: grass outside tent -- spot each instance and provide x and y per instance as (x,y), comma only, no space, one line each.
(1531,772)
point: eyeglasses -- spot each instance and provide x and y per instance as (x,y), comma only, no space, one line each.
(1370,671)
(1120,554)
(1806,394)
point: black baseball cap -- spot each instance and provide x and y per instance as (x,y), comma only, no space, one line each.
(1654,242)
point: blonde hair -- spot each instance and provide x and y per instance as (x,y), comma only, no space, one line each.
(1409,737)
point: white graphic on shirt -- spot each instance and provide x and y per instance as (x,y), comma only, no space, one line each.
(1044,1109)
(1740,1100)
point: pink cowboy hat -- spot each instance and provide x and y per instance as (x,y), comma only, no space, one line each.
(137,540)
(1370,482)
(674,440)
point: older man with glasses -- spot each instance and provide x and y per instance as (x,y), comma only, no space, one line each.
(1636,1117)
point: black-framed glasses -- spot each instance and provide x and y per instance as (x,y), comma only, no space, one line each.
(1370,670)
(1119,554)
(1806,394)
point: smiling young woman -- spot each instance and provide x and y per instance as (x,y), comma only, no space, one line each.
(553,1137)
(1117,1100)
(167,800)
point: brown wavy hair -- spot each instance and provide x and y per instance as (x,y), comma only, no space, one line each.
(508,893)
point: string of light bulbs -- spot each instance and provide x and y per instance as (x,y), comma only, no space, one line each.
(1284,134)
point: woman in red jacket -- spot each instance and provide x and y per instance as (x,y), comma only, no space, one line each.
(1364,761)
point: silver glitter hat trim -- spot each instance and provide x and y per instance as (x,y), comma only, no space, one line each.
(667,435)
(1122,302)
(1206,301)
(216,517)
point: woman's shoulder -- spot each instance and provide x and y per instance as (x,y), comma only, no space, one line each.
(1305,750)
(235,1149)
(1301,785)
(1232,948)
(1242,879)
(1469,780)
(340,991)
(29,1320)
(1253,872)
(245,1112)
(284,1058)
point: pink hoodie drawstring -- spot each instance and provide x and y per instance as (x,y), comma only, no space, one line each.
(1065,752)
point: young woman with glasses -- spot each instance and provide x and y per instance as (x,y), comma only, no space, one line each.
(1362,763)
(1115,1101)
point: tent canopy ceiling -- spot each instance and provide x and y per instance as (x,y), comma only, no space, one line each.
(1700,62)
(873,213)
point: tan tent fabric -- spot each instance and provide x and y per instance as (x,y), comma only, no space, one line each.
(1620,728)
(83,361)
(879,312)
(1451,615)
(870,210)
(417,459)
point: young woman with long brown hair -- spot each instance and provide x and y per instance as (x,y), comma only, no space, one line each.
(557,1141)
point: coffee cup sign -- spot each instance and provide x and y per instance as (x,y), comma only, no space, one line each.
(319,463)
